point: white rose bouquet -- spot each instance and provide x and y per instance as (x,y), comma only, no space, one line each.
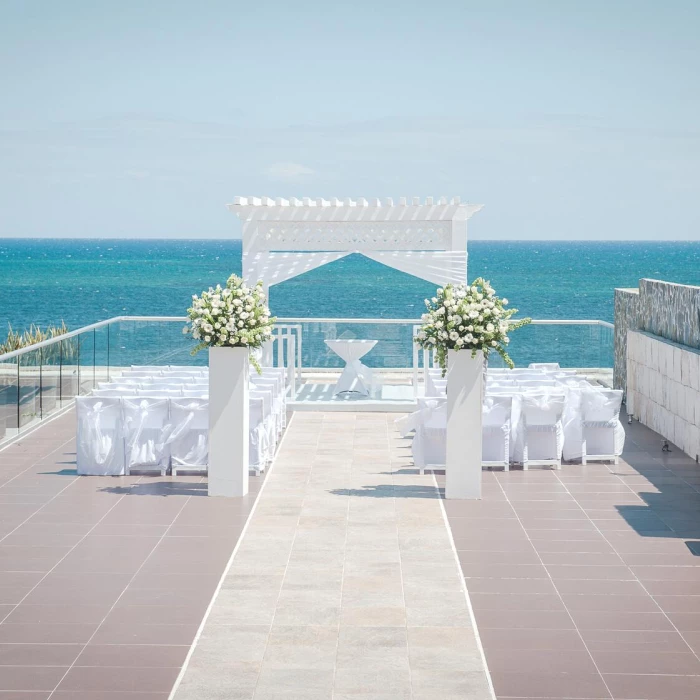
(467,317)
(233,316)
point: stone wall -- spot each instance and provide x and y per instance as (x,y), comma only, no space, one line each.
(664,309)
(663,388)
(626,318)
(671,311)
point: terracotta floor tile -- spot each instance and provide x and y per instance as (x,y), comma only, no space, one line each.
(658,641)
(648,662)
(550,685)
(607,620)
(97,679)
(631,687)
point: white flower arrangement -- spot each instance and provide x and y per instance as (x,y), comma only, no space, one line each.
(233,316)
(467,317)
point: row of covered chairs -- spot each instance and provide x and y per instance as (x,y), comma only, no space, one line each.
(156,419)
(540,420)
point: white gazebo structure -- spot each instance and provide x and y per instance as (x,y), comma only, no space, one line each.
(283,238)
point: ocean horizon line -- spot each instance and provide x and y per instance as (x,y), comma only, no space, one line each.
(471,240)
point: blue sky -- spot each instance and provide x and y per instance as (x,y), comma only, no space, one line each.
(567,119)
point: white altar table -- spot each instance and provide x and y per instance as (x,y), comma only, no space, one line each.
(356,377)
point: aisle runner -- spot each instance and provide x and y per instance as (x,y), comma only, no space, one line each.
(345,584)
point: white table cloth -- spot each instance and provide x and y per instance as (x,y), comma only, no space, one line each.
(356,376)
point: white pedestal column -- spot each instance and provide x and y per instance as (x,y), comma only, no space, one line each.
(229,377)
(463,464)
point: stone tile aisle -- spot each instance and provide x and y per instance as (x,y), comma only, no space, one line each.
(345,584)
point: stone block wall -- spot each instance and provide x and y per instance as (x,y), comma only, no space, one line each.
(664,309)
(671,311)
(663,388)
(626,318)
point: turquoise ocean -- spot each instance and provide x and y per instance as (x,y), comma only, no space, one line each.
(81,281)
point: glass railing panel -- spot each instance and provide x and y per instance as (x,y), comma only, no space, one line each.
(87,364)
(50,379)
(29,388)
(69,368)
(9,398)
(394,348)
(101,354)
(580,346)
(151,343)
(584,345)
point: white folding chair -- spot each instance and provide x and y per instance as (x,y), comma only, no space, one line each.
(201,393)
(146,430)
(159,393)
(543,435)
(119,382)
(429,445)
(259,443)
(189,435)
(269,419)
(536,383)
(278,403)
(603,436)
(100,442)
(496,426)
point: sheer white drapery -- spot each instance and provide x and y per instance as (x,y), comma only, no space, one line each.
(273,268)
(437,266)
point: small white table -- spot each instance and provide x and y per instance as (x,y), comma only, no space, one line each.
(356,377)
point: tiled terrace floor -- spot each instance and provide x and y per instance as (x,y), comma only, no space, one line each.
(586,582)
(103,580)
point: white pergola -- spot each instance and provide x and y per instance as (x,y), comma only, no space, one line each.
(283,238)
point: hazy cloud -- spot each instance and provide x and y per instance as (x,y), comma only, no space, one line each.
(288,171)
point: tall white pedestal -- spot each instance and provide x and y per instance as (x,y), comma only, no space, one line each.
(463,463)
(229,376)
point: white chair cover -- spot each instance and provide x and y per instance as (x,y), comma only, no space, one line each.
(189,436)
(603,436)
(115,391)
(571,422)
(118,382)
(99,442)
(159,393)
(543,433)
(435,384)
(429,442)
(259,443)
(547,366)
(146,433)
(269,421)
(536,383)
(201,393)
(496,426)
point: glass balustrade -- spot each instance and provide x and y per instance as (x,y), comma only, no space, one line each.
(36,382)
